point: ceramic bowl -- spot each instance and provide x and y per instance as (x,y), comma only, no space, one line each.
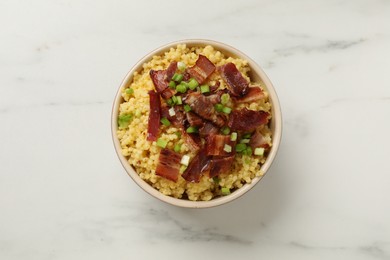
(256,74)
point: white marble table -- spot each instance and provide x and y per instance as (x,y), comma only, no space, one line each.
(64,194)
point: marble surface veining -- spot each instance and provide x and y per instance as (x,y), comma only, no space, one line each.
(64,194)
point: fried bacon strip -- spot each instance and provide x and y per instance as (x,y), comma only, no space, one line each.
(254,94)
(236,83)
(197,167)
(202,69)
(247,120)
(220,165)
(168,164)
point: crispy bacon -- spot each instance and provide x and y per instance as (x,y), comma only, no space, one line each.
(215,145)
(178,119)
(154,115)
(160,83)
(247,120)
(254,94)
(236,83)
(202,106)
(197,167)
(194,119)
(171,70)
(214,87)
(220,165)
(258,140)
(168,164)
(202,69)
(208,129)
(192,141)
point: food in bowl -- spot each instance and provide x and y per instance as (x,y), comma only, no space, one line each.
(193,125)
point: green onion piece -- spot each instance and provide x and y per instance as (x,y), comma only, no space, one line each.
(177,77)
(182,169)
(204,89)
(216,179)
(124,120)
(225,191)
(259,151)
(165,121)
(226,110)
(174,99)
(187,108)
(162,143)
(218,107)
(225,98)
(185,160)
(192,84)
(130,91)
(247,136)
(244,141)
(225,130)
(240,147)
(192,129)
(170,102)
(177,148)
(181,66)
(179,101)
(247,151)
(233,136)
(227,148)
(172,84)
(181,88)
(178,134)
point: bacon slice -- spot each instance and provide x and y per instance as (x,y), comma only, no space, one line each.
(247,120)
(220,165)
(154,116)
(178,119)
(194,119)
(215,145)
(197,167)
(171,70)
(208,129)
(160,83)
(202,106)
(258,140)
(214,87)
(202,69)
(168,164)
(194,142)
(236,83)
(254,94)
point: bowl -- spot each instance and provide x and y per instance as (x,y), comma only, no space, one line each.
(256,74)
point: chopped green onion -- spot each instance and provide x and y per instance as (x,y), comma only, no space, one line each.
(165,121)
(130,91)
(172,84)
(162,143)
(216,179)
(225,191)
(233,136)
(244,141)
(185,160)
(177,77)
(187,108)
(240,147)
(247,136)
(204,89)
(182,169)
(170,102)
(225,130)
(178,134)
(181,66)
(192,129)
(247,151)
(171,111)
(174,99)
(226,110)
(179,102)
(259,151)
(227,148)
(177,148)
(225,98)
(218,107)
(181,88)
(124,120)
(192,84)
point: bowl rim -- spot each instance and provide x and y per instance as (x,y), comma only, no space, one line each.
(276,117)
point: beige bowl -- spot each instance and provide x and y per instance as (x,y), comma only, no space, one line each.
(256,75)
